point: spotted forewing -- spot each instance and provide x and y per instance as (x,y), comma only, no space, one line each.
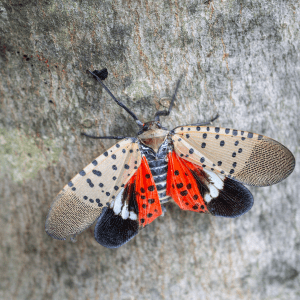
(81,201)
(248,157)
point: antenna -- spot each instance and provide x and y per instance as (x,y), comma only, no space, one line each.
(117,101)
(167,112)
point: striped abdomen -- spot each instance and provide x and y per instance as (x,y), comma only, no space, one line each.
(159,170)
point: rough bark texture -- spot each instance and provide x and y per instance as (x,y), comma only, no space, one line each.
(240,58)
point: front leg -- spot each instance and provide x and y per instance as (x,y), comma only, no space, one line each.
(104,137)
(206,123)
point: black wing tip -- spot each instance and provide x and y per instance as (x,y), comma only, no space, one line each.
(233,201)
(112,231)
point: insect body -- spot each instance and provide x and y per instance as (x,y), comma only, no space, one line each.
(200,167)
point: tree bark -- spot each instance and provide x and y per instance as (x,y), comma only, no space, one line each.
(239,58)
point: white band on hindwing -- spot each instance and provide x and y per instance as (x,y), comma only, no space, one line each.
(121,208)
(215,184)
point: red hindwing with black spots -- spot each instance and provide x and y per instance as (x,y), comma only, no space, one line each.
(182,186)
(146,195)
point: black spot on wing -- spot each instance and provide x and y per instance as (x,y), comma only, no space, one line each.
(233,201)
(96,172)
(151,188)
(89,181)
(179,185)
(184,193)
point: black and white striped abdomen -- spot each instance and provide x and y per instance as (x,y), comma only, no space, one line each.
(159,170)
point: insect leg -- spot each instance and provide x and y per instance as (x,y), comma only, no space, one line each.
(167,112)
(104,137)
(117,101)
(206,123)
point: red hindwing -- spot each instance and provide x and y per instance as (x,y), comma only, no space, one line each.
(146,195)
(182,185)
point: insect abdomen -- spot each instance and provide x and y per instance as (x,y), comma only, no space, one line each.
(159,170)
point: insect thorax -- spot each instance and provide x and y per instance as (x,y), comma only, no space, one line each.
(153,135)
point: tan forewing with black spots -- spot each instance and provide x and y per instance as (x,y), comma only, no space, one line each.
(81,201)
(248,157)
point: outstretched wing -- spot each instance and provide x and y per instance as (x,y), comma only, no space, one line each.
(197,189)
(248,157)
(81,201)
(136,206)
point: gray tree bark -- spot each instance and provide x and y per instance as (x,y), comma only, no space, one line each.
(240,58)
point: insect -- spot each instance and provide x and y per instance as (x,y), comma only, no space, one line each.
(201,167)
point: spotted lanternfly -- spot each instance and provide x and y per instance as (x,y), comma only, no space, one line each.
(200,167)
